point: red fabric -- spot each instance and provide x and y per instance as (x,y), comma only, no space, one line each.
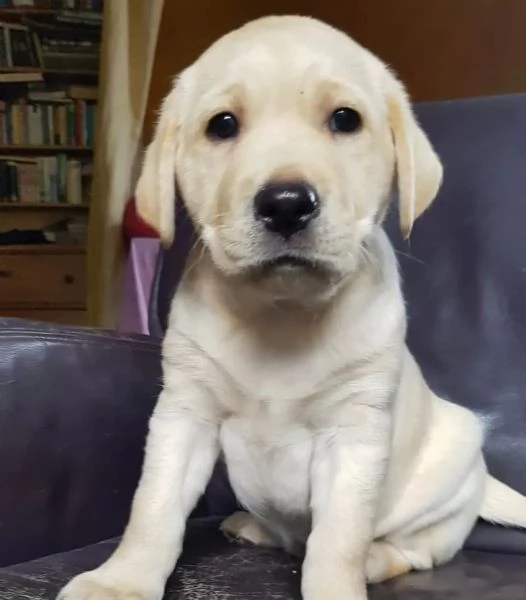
(132,224)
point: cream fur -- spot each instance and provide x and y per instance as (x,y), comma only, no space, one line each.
(334,443)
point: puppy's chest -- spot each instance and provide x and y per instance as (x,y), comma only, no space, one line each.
(285,379)
(269,462)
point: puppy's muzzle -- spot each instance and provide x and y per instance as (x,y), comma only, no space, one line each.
(286,207)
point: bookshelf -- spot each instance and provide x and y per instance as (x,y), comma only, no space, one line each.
(49,55)
(25,10)
(43,148)
(14,206)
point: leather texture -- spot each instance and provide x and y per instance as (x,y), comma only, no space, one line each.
(74,403)
(464,271)
(212,568)
(464,277)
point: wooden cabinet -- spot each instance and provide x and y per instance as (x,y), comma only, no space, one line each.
(43,282)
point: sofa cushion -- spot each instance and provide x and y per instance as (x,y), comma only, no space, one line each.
(214,569)
(74,407)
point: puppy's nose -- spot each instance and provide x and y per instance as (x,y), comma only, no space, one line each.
(286,207)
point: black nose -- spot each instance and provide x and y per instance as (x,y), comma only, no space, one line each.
(286,207)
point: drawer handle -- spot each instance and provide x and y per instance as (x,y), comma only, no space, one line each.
(69,279)
(4,273)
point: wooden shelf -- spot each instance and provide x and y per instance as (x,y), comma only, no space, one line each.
(42,206)
(70,72)
(42,249)
(66,72)
(27,11)
(43,148)
(20,70)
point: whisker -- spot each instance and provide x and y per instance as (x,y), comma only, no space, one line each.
(410,256)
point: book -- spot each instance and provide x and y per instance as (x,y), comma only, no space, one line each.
(80,17)
(5,184)
(27,3)
(82,92)
(30,122)
(64,50)
(12,179)
(3,123)
(46,95)
(21,77)
(83,5)
(42,180)
(4,61)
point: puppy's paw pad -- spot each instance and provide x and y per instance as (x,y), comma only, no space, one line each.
(243,527)
(86,589)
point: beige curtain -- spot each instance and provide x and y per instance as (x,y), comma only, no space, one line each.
(128,48)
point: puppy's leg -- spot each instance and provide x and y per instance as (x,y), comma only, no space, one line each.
(432,539)
(348,470)
(181,451)
(244,527)
(420,551)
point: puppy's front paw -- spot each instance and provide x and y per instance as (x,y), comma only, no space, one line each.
(90,586)
(332,580)
(243,527)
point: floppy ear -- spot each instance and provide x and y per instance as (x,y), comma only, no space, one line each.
(419,170)
(155,191)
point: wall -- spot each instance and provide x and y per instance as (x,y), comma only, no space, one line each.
(440,48)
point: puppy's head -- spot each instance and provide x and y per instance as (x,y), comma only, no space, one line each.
(284,140)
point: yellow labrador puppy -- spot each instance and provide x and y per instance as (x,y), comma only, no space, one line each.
(285,348)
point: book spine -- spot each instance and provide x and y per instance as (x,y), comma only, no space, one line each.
(71,124)
(9,123)
(63,123)
(9,57)
(46,190)
(41,180)
(51,129)
(4,182)
(35,192)
(39,133)
(74,183)
(23,181)
(3,124)
(24,115)
(15,124)
(62,166)
(44,125)
(13,182)
(34,125)
(4,63)
(78,123)
(54,178)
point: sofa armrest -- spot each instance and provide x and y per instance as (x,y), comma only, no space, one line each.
(74,408)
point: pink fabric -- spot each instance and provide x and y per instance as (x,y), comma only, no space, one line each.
(138,278)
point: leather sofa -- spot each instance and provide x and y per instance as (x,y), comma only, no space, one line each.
(74,403)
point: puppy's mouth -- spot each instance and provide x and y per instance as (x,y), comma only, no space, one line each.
(289,263)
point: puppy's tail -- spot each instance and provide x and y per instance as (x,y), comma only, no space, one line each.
(503,505)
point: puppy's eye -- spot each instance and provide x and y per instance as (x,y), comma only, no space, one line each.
(222,126)
(345,120)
